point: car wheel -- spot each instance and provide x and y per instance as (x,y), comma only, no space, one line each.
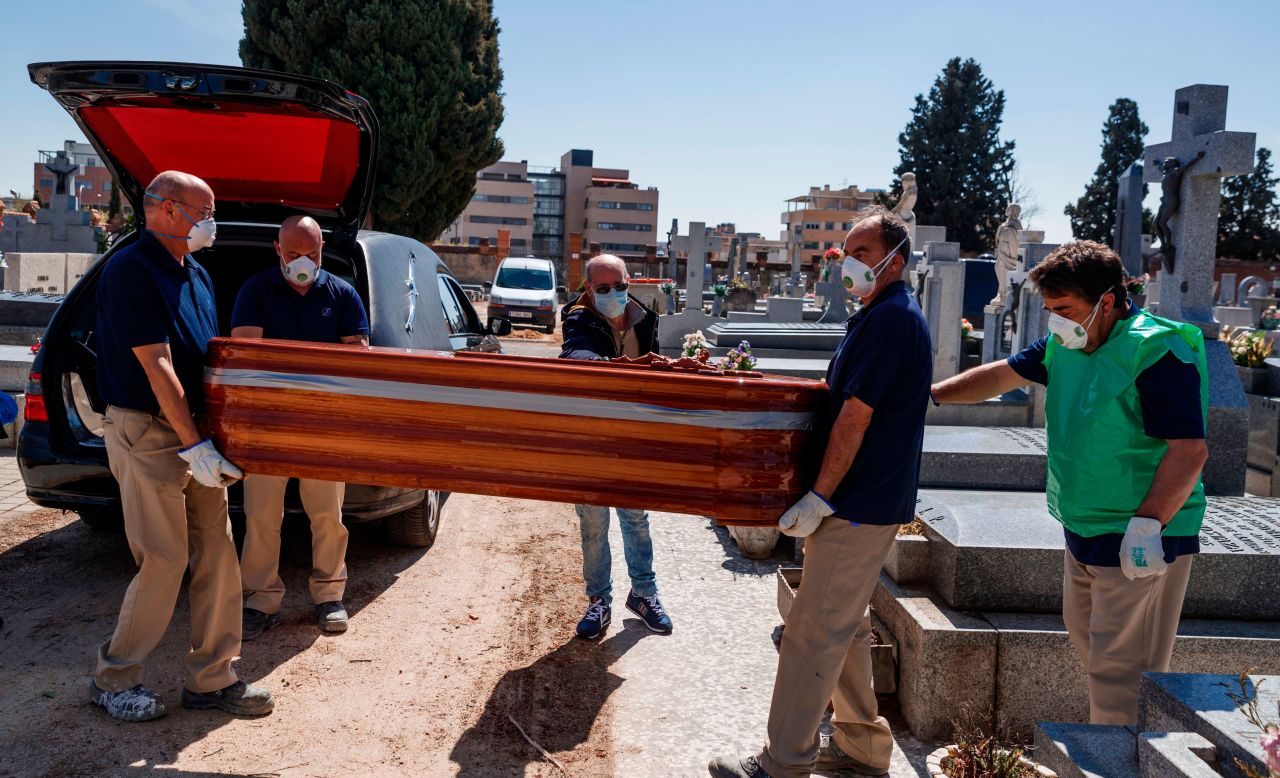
(416,527)
(102,519)
(550,329)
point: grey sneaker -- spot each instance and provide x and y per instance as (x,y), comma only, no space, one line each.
(332,617)
(733,767)
(254,622)
(136,704)
(239,699)
(830,757)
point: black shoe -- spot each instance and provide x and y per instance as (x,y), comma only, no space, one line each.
(733,767)
(256,622)
(596,620)
(239,699)
(650,611)
(832,758)
(332,617)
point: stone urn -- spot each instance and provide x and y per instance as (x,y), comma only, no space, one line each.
(755,542)
(717,305)
(669,300)
(934,763)
(1253,379)
(741,300)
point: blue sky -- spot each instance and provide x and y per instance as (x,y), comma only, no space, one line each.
(732,107)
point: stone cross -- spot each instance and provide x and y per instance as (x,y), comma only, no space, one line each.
(64,169)
(1127,238)
(1199,121)
(834,293)
(697,245)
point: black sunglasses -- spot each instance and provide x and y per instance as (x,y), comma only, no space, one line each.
(621,286)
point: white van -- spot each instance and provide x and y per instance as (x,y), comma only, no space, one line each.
(524,293)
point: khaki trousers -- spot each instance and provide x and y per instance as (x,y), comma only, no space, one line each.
(260,560)
(1121,629)
(826,654)
(172,523)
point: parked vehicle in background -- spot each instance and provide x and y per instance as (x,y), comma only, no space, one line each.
(524,293)
(979,287)
(270,145)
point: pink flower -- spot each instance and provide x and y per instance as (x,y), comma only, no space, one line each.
(1271,748)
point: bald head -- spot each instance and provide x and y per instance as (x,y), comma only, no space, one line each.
(300,228)
(605,264)
(176,185)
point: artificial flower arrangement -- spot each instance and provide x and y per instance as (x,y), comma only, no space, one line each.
(694,343)
(668,287)
(739,358)
(1270,318)
(738,283)
(966,328)
(1249,348)
(720,289)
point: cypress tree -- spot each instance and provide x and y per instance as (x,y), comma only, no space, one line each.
(1249,218)
(430,70)
(1093,216)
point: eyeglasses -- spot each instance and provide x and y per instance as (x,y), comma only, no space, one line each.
(205,213)
(621,286)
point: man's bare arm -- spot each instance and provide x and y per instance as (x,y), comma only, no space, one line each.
(981,383)
(1175,478)
(246,332)
(363,340)
(157,363)
(843,445)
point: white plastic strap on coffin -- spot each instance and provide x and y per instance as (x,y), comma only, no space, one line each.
(511,401)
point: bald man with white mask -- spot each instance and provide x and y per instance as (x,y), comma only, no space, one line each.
(156,316)
(296,300)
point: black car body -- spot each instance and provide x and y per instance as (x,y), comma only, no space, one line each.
(270,145)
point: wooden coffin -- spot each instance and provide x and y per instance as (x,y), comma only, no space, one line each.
(741,449)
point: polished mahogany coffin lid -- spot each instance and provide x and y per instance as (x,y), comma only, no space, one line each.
(269,144)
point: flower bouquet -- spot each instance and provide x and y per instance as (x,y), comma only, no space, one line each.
(739,358)
(695,345)
(966,328)
(1249,348)
(1138,285)
(1270,318)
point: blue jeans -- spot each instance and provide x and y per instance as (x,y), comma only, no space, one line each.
(637,547)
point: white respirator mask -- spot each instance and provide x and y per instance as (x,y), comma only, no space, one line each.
(860,279)
(300,271)
(1069,334)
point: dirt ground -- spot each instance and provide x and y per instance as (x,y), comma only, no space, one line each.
(445,647)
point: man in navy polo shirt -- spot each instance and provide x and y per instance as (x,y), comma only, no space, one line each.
(1125,401)
(879,381)
(155,317)
(296,300)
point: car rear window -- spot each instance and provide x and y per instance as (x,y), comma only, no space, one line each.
(524,278)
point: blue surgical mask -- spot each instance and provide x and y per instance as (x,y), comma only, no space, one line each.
(611,305)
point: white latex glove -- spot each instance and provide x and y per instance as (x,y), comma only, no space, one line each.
(210,467)
(803,518)
(1141,552)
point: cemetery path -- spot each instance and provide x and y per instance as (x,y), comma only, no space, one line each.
(446,648)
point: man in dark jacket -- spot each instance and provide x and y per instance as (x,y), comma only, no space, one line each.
(606,324)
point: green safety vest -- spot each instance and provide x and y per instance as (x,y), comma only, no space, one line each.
(1101,461)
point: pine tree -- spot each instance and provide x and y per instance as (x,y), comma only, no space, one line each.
(952,144)
(1249,218)
(430,70)
(1093,216)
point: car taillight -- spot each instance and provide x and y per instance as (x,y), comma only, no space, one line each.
(33,408)
(544,307)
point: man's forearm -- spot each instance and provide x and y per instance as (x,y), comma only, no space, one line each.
(979,384)
(173,401)
(1176,477)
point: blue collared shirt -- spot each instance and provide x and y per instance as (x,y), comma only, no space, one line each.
(329,311)
(886,361)
(145,297)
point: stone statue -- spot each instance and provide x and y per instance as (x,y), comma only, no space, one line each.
(908,201)
(62,167)
(1172,172)
(1006,251)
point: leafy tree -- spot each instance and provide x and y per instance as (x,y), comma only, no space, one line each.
(113,202)
(1093,216)
(952,144)
(430,70)
(1249,218)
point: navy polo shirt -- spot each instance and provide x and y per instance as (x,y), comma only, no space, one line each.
(886,361)
(1169,393)
(145,297)
(329,310)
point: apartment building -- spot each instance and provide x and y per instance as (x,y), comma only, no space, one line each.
(602,204)
(92,182)
(819,220)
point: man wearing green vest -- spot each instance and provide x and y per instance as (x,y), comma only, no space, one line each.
(1125,404)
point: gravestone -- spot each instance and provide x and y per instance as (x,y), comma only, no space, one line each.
(1199,119)
(994,550)
(784,310)
(1199,704)
(926,235)
(837,309)
(1127,239)
(696,246)
(983,458)
(943,304)
(60,228)
(1227,289)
